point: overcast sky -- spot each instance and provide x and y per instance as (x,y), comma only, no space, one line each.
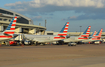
(57,12)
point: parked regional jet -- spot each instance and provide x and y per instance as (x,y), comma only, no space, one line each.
(49,38)
(94,36)
(84,36)
(9,32)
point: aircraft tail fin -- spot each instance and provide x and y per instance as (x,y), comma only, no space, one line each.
(93,34)
(99,32)
(85,35)
(63,32)
(98,35)
(11,27)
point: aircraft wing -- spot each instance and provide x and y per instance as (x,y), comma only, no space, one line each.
(28,37)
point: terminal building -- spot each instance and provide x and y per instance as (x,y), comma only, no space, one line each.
(23,25)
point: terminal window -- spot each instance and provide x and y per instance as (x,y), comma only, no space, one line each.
(22,20)
(5,12)
(0,19)
(49,33)
(5,19)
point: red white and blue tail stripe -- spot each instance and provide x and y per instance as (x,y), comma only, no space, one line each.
(11,28)
(93,34)
(99,32)
(98,35)
(63,32)
(85,35)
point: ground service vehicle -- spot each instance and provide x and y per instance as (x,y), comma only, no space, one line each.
(72,44)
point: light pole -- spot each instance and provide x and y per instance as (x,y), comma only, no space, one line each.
(80,30)
(39,24)
(45,23)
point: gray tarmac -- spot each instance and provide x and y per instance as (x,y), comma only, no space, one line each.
(85,55)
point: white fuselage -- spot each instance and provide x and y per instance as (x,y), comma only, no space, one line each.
(72,39)
(42,38)
(88,40)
